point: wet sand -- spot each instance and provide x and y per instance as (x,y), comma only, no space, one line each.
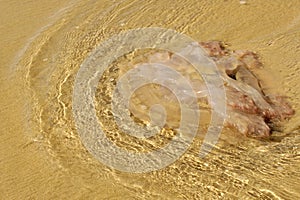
(43,43)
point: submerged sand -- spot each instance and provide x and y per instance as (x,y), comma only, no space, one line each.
(43,43)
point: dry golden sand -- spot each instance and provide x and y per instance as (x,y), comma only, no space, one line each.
(44,42)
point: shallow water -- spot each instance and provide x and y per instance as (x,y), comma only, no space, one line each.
(41,155)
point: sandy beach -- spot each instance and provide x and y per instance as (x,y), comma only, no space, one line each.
(43,45)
